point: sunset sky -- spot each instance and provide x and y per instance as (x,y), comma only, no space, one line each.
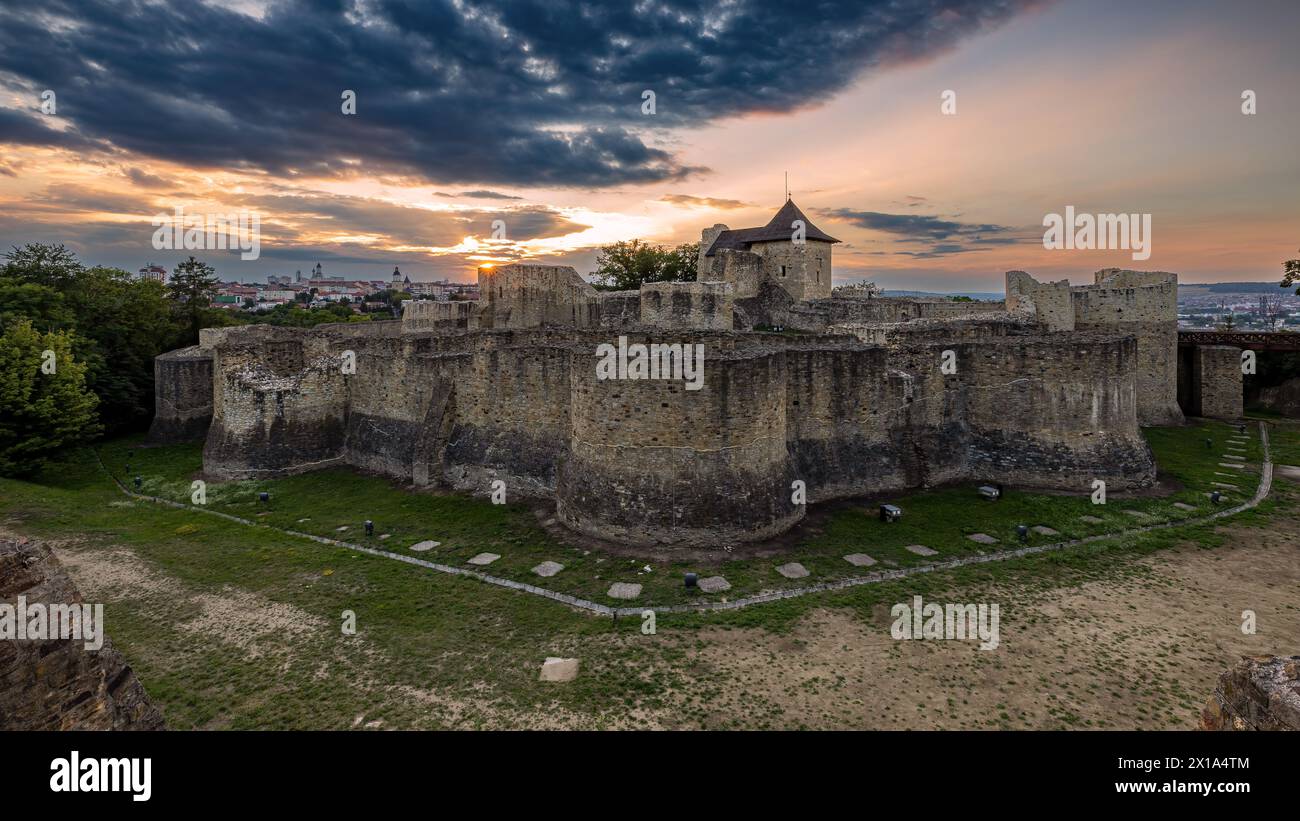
(531,113)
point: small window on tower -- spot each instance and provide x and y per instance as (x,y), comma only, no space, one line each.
(782,270)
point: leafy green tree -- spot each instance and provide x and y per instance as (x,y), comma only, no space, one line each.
(44,402)
(625,266)
(118,323)
(53,266)
(41,304)
(192,287)
(1291,274)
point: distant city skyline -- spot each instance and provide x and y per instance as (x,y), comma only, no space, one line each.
(488,133)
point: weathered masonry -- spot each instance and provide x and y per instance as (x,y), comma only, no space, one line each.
(871,395)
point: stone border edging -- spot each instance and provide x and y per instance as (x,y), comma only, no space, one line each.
(1261,492)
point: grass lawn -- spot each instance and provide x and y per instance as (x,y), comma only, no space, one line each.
(324,501)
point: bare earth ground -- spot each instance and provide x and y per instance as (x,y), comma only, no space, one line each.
(1143,652)
(1133,650)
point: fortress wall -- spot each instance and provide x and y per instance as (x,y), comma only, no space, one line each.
(1145,304)
(182,395)
(705,265)
(511,412)
(687,305)
(274,421)
(1219,379)
(851,417)
(400,404)
(1055,411)
(619,309)
(743,269)
(528,296)
(1048,303)
(425,315)
(653,463)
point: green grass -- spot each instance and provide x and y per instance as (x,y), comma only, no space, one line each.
(940,519)
(464,639)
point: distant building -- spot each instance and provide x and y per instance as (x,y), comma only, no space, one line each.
(156,272)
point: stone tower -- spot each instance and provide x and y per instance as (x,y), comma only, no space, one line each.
(790,251)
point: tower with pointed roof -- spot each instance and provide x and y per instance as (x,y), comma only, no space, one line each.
(789,251)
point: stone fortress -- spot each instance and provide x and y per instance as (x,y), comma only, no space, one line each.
(858,396)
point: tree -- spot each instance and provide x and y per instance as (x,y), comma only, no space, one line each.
(1291,274)
(192,287)
(117,323)
(53,266)
(626,266)
(44,402)
(1271,309)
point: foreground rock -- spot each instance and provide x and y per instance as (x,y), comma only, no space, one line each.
(57,684)
(1259,693)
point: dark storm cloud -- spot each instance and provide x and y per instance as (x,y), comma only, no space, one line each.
(943,237)
(523,93)
(403,224)
(479,195)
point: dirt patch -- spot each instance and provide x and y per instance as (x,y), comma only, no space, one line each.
(1139,651)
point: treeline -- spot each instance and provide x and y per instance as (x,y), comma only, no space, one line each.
(77,345)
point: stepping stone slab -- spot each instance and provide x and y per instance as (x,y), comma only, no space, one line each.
(982,538)
(383,536)
(1092,520)
(1224,484)
(420,547)
(484,559)
(1044,530)
(623,590)
(558,669)
(548,569)
(1137,514)
(921,550)
(714,584)
(341,529)
(859,560)
(793,570)
(1231,465)
(1234,457)
(1184,506)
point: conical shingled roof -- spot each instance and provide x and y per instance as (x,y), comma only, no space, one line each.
(778,229)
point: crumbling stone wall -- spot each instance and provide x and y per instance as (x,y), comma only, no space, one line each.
(686,305)
(650,462)
(57,684)
(1144,304)
(182,395)
(276,410)
(527,296)
(425,315)
(1048,303)
(1217,390)
(1258,693)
